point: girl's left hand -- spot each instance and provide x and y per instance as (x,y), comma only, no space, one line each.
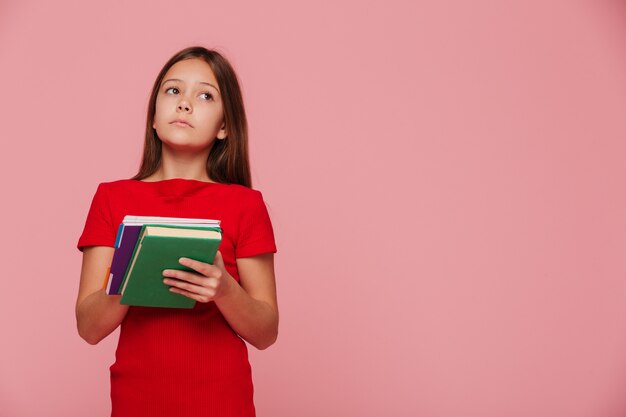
(207,283)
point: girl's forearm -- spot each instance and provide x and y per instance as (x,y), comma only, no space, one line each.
(254,320)
(98,315)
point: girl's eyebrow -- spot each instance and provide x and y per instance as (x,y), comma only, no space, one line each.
(199,82)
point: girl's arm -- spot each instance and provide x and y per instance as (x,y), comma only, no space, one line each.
(250,307)
(97,313)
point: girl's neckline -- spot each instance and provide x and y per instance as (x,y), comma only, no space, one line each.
(176,180)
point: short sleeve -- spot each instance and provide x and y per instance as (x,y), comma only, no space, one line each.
(99,229)
(256,235)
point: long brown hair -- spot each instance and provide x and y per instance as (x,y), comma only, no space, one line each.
(228,160)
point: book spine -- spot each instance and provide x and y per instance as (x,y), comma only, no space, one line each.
(109,276)
(107,280)
(120,231)
(122,256)
(131,256)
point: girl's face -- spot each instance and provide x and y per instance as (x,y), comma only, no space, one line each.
(189,113)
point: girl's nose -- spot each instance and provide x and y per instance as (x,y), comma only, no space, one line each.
(183,106)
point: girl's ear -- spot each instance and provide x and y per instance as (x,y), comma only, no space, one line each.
(221,135)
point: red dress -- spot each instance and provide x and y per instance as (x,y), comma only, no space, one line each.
(182,362)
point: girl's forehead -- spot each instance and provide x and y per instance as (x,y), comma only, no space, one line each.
(191,70)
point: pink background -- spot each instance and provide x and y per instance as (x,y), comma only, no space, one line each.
(446,181)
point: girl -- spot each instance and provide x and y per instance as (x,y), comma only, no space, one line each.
(179,362)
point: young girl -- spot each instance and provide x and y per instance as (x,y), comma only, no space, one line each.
(187,362)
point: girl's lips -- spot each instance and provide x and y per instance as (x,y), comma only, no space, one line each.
(180,123)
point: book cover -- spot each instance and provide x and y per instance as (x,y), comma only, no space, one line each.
(158,249)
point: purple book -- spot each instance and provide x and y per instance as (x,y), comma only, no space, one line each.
(127,236)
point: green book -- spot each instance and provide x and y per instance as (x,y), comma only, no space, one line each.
(158,248)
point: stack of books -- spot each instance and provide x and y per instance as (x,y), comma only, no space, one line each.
(145,246)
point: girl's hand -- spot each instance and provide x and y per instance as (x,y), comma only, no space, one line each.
(206,284)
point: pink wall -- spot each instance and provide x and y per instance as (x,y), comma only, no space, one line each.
(446,181)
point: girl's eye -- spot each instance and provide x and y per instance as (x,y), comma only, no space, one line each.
(206,96)
(172,90)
